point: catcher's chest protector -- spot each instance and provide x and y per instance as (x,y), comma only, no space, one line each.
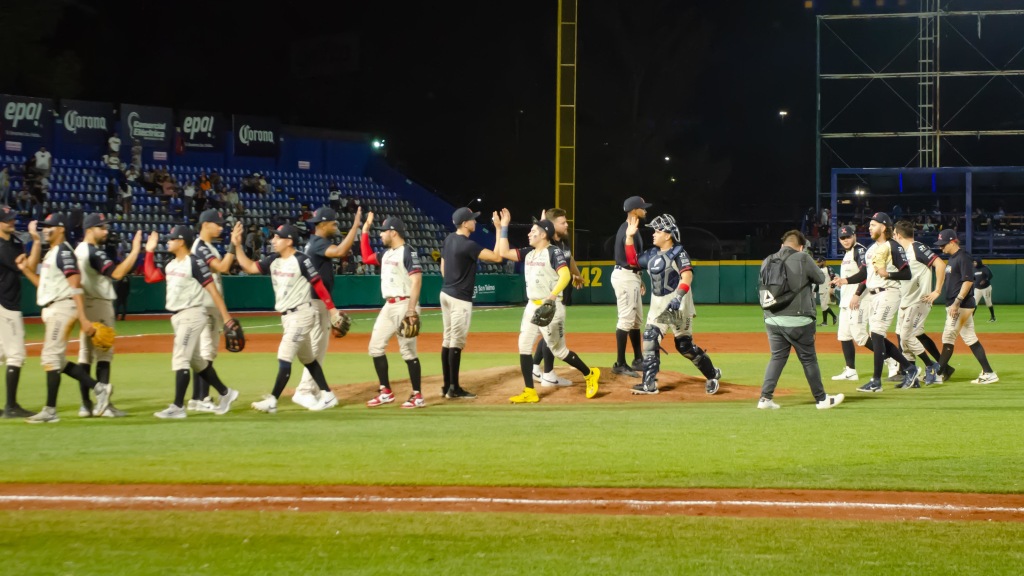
(664,270)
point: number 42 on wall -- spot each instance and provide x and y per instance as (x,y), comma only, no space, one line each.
(591,276)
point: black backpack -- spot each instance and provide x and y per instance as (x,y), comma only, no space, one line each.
(773,283)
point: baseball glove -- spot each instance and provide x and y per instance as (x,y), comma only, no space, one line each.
(340,324)
(234,337)
(544,314)
(103,338)
(882,255)
(410,327)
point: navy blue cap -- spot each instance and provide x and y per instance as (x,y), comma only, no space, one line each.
(394,223)
(7,215)
(212,215)
(287,231)
(547,226)
(54,220)
(182,232)
(946,236)
(847,231)
(464,214)
(94,219)
(323,214)
(882,218)
(634,202)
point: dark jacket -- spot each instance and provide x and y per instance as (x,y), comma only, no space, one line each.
(802,273)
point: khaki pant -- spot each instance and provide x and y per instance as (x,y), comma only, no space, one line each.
(386,326)
(910,325)
(297,339)
(884,306)
(188,325)
(12,338)
(961,324)
(553,333)
(209,342)
(853,325)
(628,301)
(456,315)
(321,337)
(983,295)
(57,318)
(96,310)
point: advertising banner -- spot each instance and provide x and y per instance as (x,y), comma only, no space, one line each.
(201,131)
(150,125)
(26,118)
(85,122)
(256,135)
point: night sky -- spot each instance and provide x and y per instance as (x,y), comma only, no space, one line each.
(464,95)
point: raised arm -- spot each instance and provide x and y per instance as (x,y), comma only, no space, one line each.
(369,256)
(345,247)
(151,273)
(244,262)
(632,225)
(30,273)
(128,264)
(37,246)
(501,247)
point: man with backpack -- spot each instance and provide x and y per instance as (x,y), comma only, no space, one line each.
(786,294)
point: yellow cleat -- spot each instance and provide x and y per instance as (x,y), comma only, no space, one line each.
(529,396)
(592,379)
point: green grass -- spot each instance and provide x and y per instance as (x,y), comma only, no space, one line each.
(247,543)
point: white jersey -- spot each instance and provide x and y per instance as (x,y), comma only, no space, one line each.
(292,278)
(207,252)
(58,265)
(541,270)
(96,267)
(397,265)
(920,283)
(898,262)
(853,261)
(186,282)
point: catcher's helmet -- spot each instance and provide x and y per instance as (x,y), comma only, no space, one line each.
(666,223)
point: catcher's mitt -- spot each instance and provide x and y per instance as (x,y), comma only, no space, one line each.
(410,327)
(103,338)
(234,337)
(340,324)
(544,314)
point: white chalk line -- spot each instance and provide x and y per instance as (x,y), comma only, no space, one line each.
(638,504)
(488,309)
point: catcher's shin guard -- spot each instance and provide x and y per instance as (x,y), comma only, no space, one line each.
(652,365)
(695,354)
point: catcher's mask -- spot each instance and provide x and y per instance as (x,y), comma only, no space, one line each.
(666,223)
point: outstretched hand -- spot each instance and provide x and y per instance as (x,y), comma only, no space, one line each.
(632,224)
(506,217)
(137,241)
(154,239)
(368,223)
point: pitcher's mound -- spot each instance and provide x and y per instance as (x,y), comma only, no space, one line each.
(496,385)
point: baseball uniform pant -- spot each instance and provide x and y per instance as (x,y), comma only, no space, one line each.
(983,295)
(962,324)
(96,310)
(884,306)
(58,318)
(297,338)
(12,338)
(853,325)
(628,301)
(456,315)
(209,342)
(188,325)
(553,333)
(321,337)
(910,325)
(386,326)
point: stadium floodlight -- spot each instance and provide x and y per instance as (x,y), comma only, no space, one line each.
(378,144)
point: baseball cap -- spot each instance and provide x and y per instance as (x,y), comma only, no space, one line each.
(882,218)
(323,214)
(53,220)
(7,215)
(464,214)
(93,220)
(394,223)
(212,215)
(182,232)
(634,202)
(547,226)
(847,231)
(946,236)
(286,231)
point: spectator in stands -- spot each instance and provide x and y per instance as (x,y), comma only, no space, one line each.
(126,197)
(998,217)
(137,154)
(199,201)
(231,199)
(261,184)
(112,162)
(122,288)
(114,145)
(249,185)
(354,205)
(334,196)
(27,203)
(204,184)
(44,161)
(5,185)
(254,241)
(305,214)
(188,197)
(217,182)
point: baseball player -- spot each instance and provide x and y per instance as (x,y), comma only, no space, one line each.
(916,299)
(188,280)
(459,256)
(883,275)
(211,225)
(98,273)
(292,273)
(59,294)
(627,281)
(825,292)
(322,252)
(672,306)
(12,327)
(983,287)
(547,275)
(560,240)
(960,306)
(401,278)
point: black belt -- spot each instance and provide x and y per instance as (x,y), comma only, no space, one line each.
(296,309)
(627,269)
(876,291)
(52,302)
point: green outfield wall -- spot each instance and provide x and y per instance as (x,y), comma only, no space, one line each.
(724,282)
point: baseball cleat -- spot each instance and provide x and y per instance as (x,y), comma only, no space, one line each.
(460,393)
(206,405)
(305,399)
(225,402)
(551,379)
(711,386)
(645,389)
(537,373)
(329,400)
(529,396)
(385,397)
(638,364)
(172,412)
(268,404)
(624,370)
(592,382)
(767,404)
(85,411)
(931,373)
(111,412)
(986,378)
(847,374)
(16,411)
(103,393)
(830,401)
(873,385)
(48,415)
(893,366)
(414,401)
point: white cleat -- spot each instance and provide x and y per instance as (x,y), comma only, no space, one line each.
(327,400)
(831,401)
(306,399)
(894,367)
(268,404)
(225,402)
(986,378)
(847,374)
(767,404)
(551,379)
(172,412)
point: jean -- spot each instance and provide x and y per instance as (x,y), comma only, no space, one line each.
(782,340)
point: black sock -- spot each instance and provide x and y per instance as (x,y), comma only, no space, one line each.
(878,347)
(538,355)
(380,364)
(979,353)
(526,366)
(947,353)
(52,385)
(181,378)
(197,387)
(13,376)
(892,351)
(284,373)
(620,345)
(573,360)
(634,339)
(103,371)
(80,374)
(446,369)
(317,372)
(870,345)
(899,342)
(210,378)
(930,346)
(849,353)
(83,387)
(414,373)
(549,360)
(455,359)
(992,312)
(824,316)
(925,358)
